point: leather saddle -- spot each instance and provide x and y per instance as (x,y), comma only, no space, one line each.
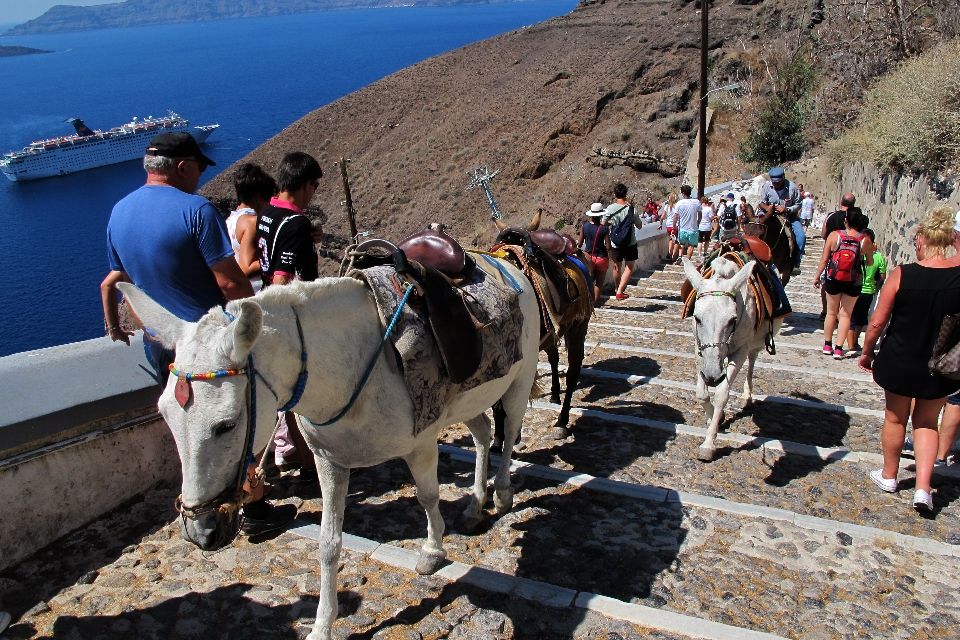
(436,263)
(759,282)
(544,250)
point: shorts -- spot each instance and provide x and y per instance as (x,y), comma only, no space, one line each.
(600,264)
(834,288)
(672,232)
(861,311)
(688,237)
(626,254)
(705,235)
(954,399)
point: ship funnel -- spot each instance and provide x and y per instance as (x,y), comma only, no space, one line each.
(82,129)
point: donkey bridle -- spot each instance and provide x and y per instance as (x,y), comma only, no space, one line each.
(716,345)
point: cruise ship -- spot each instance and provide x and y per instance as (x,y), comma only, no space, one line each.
(89,148)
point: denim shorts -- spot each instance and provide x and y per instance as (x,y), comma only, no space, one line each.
(954,399)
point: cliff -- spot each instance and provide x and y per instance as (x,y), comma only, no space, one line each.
(564,109)
(12,50)
(132,13)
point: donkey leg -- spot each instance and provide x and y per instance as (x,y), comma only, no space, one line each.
(422,462)
(553,356)
(514,403)
(334,481)
(748,379)
(720,397)
(574,341)
(480,430)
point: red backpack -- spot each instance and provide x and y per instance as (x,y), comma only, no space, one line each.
(845,264)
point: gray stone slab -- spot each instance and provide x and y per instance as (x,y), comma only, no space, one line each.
(542,593)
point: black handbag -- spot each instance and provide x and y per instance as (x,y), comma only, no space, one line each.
(945,360)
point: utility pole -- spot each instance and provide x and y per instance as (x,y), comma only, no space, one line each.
(702,151)
(481,177)
(348,201)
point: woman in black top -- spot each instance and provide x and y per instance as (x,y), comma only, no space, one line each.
(594,239)
(914,299)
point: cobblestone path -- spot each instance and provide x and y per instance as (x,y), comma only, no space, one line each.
(617,532)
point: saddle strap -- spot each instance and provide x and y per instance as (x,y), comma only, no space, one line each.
(518,255)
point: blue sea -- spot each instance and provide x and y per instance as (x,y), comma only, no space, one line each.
(253,77)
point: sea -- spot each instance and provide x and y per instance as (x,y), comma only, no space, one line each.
(253,77)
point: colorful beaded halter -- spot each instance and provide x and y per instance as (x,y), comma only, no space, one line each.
(205,375)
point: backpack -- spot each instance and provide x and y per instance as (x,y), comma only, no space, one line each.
(844,264)
(728,219)
(620,233)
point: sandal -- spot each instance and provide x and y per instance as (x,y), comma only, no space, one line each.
(622,296)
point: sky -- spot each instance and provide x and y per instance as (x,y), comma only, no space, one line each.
(16,11)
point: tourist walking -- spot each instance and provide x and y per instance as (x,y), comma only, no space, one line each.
(874,273)
(914,300)
(745,210)
(623,256)
(842,266)
(782,197)
(807,206)
(254,188)
(728,218)
(668,216)
(688,213)
(594,239)
(834,222)
(705,226)
(194,271)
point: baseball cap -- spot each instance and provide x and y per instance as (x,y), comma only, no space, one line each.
(730,196)
(776,173)
(178,144)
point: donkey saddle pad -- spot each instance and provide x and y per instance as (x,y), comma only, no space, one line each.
(495,311)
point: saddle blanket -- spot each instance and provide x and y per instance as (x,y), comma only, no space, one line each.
(759,282)
(498,319)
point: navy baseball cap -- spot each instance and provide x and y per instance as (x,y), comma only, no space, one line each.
(730,196)
(776,173)
(179,144)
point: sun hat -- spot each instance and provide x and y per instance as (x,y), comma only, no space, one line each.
(596,209)
(956,222)
(179,144)
(776,173)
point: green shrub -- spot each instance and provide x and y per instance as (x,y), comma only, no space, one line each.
(910,120)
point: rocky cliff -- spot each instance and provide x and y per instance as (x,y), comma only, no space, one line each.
(132,13)
(564,109)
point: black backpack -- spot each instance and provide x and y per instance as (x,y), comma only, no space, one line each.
(620,232)
(728,219)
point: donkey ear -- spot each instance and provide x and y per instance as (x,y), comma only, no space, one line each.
(156,321)
(741,277)
(690,270)
(245,331)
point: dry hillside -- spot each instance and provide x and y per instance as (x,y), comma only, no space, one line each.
(564,109)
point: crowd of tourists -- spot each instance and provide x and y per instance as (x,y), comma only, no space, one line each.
(901,308)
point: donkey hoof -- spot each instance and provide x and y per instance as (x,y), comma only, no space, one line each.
(560,433)
(555,399)
(503,501)
(428,563)
(705,454)
(470,522)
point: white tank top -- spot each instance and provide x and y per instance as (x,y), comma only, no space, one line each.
(232,226)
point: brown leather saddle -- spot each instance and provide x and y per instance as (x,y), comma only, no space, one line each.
(434,263)
(543,250)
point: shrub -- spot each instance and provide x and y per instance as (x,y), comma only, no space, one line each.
(910,120)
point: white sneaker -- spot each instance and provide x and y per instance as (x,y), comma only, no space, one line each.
(922,501)
(886,484)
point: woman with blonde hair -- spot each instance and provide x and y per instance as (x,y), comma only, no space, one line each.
(915,298)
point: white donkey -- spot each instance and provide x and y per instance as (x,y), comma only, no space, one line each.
(726,335)
(255,347)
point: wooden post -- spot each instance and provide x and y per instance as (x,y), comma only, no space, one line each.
(348,201)
(702,150)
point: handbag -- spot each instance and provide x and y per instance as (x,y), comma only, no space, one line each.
(945,360)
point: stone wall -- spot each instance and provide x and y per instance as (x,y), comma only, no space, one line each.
(895,203)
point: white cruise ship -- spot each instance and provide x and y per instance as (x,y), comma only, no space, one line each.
(88,148)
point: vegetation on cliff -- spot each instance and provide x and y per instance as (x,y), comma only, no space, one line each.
(910,119)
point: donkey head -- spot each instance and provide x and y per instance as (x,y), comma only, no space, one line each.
(715,315)
(208,416)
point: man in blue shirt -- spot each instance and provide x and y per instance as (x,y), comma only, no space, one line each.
(174,246)
(782,196)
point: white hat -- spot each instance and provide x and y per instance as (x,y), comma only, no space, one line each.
(956,222)
(595,209)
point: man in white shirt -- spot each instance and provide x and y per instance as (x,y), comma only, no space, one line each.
(688,213)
